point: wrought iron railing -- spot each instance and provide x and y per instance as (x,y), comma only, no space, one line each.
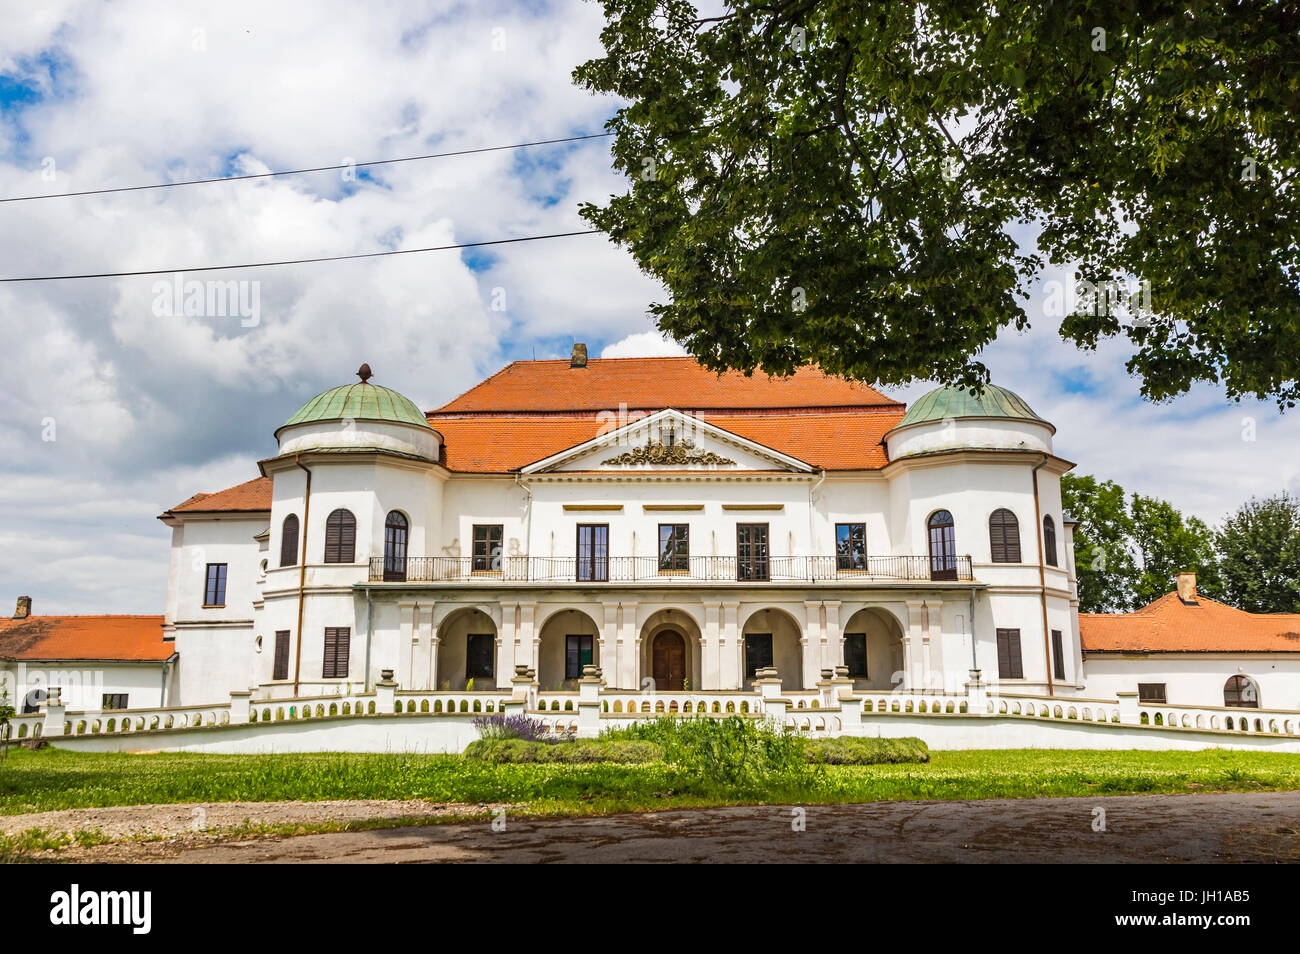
(696,569)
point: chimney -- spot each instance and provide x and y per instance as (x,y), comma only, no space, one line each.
(24,608)
(579,359)
(1187,586)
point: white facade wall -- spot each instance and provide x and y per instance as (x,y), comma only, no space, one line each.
(1197,679)
(84,684)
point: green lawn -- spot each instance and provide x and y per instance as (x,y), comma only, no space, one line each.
(55,778)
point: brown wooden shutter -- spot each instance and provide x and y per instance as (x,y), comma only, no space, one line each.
(335,656)
(1004,537)
(1009,663)
(281,668)
(289,541)
(340,537)
(1058,655)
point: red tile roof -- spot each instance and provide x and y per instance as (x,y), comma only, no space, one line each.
(101,638)
(654,383)
(253,496)
(1171,626)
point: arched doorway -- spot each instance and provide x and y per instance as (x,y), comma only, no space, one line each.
(668,660)
(568,640)
(467,651)
(873,649)
(771,637)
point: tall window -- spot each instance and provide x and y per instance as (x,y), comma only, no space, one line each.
(214,593)
(480,656)
(280,669)
(1058,655)
(1009,666)
(1004,536)
(395,547)
(577,653)
(850,546)
(758,653)
(593,551)
(1049,540)
(340,537)
(855,654)
(1241,692)
(337,643)
(751,551)
(487,548)
(289,541)
(674,548)
(943,546)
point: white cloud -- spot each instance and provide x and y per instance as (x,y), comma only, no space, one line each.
(644,344)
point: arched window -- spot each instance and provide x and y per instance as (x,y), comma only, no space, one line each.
(1241,692)
(943,546)
(289,541)
(1004,536)
(340,537)
(1049,540)
(395,547)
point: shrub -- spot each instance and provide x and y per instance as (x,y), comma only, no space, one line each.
(735,752)
(512,727)
(851,750)
(500,751)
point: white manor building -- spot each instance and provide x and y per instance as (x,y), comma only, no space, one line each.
(623,536)
(675,528)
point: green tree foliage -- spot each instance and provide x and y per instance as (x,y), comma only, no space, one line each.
(1259,555)
(1168,543)
(834,181)
(1103,559)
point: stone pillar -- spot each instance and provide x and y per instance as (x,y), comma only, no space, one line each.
(912,648)
(239,699)
(609,640)
(629,644)
(826,690)
(977,694)
(589,687)
(506,658)
(385,693)
(424,636)
(731,671)
(932,657)
(528,645)
(55,712)
(435,642)
(709,653)
(1128,708)
(810,643)
(768,683)
(832,638)
(523,693)
(406,643)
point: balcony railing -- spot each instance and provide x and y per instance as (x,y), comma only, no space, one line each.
(798,569)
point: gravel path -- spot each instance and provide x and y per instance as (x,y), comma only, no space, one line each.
(1257,827)
(125,821)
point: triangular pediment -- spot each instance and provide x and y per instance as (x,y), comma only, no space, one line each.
(668,440)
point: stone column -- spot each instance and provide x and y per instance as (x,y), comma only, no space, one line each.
(435,641)
(833,638)
(55,712)
(385,693)
(933,644)
(424,638)
(731,672)
(709,653)
(529,646)
(609,640)
(589,687)
(912,648)
(810,643)
(629,644)
(406,643)
(507,658)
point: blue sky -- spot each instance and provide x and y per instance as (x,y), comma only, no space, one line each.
(149,409)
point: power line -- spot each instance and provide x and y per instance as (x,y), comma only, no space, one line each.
(295,172)
(300,261)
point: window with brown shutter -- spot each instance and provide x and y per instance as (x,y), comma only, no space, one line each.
(1058,655)
(337,639)
(280,670)
(1152,693)
(289,541)
(1049,540)
(1009,665)
(340,537)
(1004,536)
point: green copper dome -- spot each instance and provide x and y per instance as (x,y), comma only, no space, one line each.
(944,403)
(360,402)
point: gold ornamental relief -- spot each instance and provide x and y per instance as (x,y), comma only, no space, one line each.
(657,452)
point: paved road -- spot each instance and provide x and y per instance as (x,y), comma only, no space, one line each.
(1145,828)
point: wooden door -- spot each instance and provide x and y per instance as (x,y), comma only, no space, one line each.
(668,661)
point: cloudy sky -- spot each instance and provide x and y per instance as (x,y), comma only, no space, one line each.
(113,412)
